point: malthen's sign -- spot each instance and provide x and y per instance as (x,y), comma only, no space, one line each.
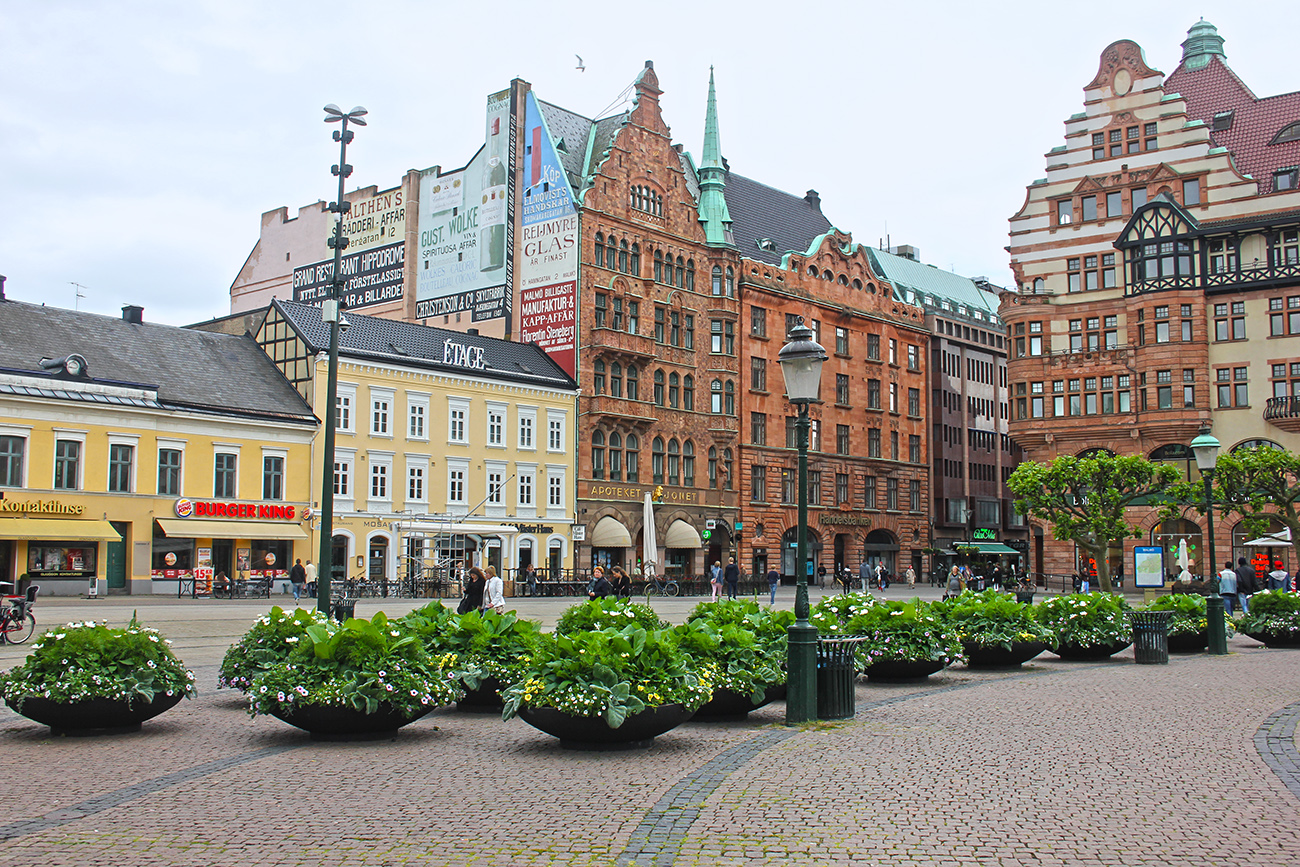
(844,519)
(39,507)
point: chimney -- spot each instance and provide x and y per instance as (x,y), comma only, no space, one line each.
(133,314)
(812,198)
(473,331)
(649,64)
(2,287)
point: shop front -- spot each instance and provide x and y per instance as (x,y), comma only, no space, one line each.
(615,529)
(211,543)
(65,555)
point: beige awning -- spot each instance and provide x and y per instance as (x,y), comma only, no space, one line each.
(60,529)
(682,535)
(609,533)
(188,528)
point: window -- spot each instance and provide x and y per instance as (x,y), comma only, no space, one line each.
(455,486)
(873,347)
(674,463)
(1286,179)
(11,461)
(722,336)
(717,280)
(1223,256)
(1192,192)
(602,302)
(273,477)
(631,457)
(496,426)
(224,476)
(914,402)
(632,383)
(873,394)
(730,406)
(1064,212)
(841,341)
(1240,386)
(688,464)
(842,389)
(343,412)
(659,388)
(1088,208)
(379,415)
(169,471)
(555,484)
(1286,250)
(554,434)
(674,390)
(893,397)
(496,487)
(869,492)
(893,445)
(893,351)
(615,456)
(891,494)
(914,448)
(527,420)
(633,317)
(758,428)
(1114,204)
(618,313)
(758,322)
(657,461)
(1230,321)
(758,373)
(659,324)
(688,392)
(814,488)
(415,413)
(873,442)
(121,459)
(715,397)
(456,413)
(841,439)
(758,484)
(913,357)
(914,495)
(615,379)
(342,475)
(525,489)
(415,484)
(67,464)
(1149,136)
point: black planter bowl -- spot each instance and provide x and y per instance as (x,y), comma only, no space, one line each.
(726,704)
(1099,651)
(1188,642)
(997,656)
(593,733)
(901,669)
(93,716)
(487,697)
(1275,640)
(329,723)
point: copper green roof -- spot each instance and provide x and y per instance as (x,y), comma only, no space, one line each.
(1203,41)
(928,286)
(713,202)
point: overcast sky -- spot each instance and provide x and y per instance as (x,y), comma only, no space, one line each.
(143,140)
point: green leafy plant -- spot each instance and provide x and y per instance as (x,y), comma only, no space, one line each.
(608,673)
(770,625)
(740,645)
(89,660)
(1189,613)
(490,645)
(1086,619)
(1274,614)
(993,619)
(428,623)
(359,664)
(833,613)
(268,642)
(898,631)
(609,612)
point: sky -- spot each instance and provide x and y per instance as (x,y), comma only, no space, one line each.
(143,140)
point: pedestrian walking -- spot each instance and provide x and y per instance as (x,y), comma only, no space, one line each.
(954,587)
(1228,587)
(310,570)
(880,577)
(773,579)
(911,578)
(474,585)
(715,580)
(1246,584)
(494,595)
(530,579)
(821,574)
(600,586)
(1278,579)
(864,575)
(297,577)
(621,583)
(732,576)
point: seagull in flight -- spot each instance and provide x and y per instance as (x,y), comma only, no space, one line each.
(580,67)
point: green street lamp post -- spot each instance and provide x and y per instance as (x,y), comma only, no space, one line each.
(801,364)
(1206,449)
(332,312)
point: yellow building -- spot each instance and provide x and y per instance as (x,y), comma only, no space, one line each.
(451,449)
(136,458)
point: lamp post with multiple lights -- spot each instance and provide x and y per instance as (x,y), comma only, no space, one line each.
(332,312)
(801,364)
(1206,449)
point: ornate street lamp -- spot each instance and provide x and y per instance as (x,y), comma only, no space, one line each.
(801,365)
(1206,449)
(332,312)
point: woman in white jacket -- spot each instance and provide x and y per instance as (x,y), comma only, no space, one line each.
(494,596)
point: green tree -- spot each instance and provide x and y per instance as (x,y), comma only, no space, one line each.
(1084,498)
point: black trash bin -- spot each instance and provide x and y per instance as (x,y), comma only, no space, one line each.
(341,609)
(1025,596)
(835,674)
(1151,637)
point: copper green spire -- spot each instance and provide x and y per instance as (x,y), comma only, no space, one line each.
(713,203)
(1203,40)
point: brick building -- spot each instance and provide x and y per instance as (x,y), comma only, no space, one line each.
(1159,279)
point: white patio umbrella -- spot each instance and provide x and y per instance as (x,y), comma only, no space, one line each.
(1272,540)
(650,541)
(1183,560)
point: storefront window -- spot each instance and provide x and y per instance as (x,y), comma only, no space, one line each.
(172,557)
(271,558)
(61,559)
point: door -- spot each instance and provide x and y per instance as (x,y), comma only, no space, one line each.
(7,565)
(223,557)
(116,557)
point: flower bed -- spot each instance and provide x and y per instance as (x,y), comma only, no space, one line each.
(893,630)
(1189,625)
(1274,618)
(608,613)
(994,619)
(492,651)
(88,661)
(1087,625)
(740,645)
(267,643)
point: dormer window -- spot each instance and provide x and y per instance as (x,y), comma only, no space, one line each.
(766,244)
(1222,122)
(1288,133)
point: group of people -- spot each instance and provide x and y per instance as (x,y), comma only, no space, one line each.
(303,579)
(728,577)
(617,583)
(964,577)
(484,590)
(1236,586)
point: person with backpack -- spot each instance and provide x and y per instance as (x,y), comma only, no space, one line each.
(1278,579)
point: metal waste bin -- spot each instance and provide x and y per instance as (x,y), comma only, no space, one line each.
(1025,596)
(343,608)
(1151,637)
(835,675)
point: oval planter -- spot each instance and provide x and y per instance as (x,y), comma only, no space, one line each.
(1188,642)
(1099,651)
(997,656)
(487,697)
(593,733)
(1276,640)
(329,723)
(93,716)
(726,704)
(902,669)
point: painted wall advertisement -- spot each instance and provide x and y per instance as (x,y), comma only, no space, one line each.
(466,248)
(548,267)
(374,262)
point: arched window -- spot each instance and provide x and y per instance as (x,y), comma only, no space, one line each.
(659,388)
(674,463)
(715,397)
(659,266)
(730,405)
(1256,444)
(857,284)
(634,262)
(615,458)
(634,197)
(688,393)
(615,380)
(659,206)
(598,377)
(600,249)
(827,275)
(631,454)
(622,255)
(657,461)
(844,280)
(1179,457)
(681,273)
(598,455)
(1039,284)
(673,390)
(688,464)
(632,386)
(726,469)
(812,270)
(717,280)
(713,467)
(690,274)
(611,254)
(731,282)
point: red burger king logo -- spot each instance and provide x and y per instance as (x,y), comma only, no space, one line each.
(184,508)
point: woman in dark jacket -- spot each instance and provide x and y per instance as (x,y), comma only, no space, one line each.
(600,587)
(473,600)
(622,584)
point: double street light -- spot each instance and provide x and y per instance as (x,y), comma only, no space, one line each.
(1206,449)
(801,364)
(332,312)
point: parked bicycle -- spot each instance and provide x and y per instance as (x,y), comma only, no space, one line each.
(662,586)
(17,623)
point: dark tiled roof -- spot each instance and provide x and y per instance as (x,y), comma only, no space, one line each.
(1216,88)
(577,132)
(759,211)
(1278,218)
(200,369)
(415,345)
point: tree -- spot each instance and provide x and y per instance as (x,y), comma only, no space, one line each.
(1261,484)
(1084,498)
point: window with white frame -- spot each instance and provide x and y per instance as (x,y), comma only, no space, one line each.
(171,454)
(13,451)
(379,482)
(417,413)
(345,399)
(381,404)
(273,462)
(121,463)
(527,426)
(525,476)
(496,425)
(555,430)
(496,487)
(69,448)
(415,484)
(344,460)
(458,420)
(456,495)
(555,491)
(225,471)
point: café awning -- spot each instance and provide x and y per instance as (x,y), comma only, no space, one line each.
(987,547)
(58,529)
(682,535)
(610,533)
(189,528)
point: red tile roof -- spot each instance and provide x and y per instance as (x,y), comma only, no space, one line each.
(1215,88)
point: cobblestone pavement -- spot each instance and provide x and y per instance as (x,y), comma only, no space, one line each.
(1194,763)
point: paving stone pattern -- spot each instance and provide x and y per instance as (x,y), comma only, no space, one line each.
(1194,763)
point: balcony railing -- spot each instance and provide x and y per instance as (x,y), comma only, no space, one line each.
(1282,408)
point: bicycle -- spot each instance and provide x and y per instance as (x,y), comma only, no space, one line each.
(17,623)
(662,586)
